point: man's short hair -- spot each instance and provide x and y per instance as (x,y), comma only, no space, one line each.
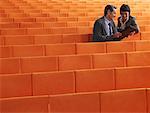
(110,8)
(124,8)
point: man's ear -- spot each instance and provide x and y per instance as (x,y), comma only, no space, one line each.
(108,12)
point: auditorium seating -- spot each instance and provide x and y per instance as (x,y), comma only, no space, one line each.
(38,104)
(134,100)
(124,101)
(15,85)
(95,80)
(49,64)
(53,83)
(25,50)
(74,81)
(142,45)
(132,77)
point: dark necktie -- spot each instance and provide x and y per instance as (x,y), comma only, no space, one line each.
(109,28)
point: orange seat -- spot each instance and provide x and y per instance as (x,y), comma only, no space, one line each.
(72,103)
(147,27)
(30,10)
(145,35)
(63,30)
(120,46)
(38,14)
(18,15)
(2,11)
(53,83)
(5,51)
(31,25)
(2,40)
(75,62)
(138,59)
(75,38)
(9,25)
(73,24)
(47,39)
(60,49)
(46,19)
(23,51)
(127,101)
(39,64)
(143,45)
(73,19)
(84,30)
(38,31)
(36,104)
(87,48)
(132,77)
(95,80)
(55,24)
(143,22)
(3,14)
(27,19)
(16,31)
(19,40)
(15,85)
(91,18)
(6,20)
(9,65)
(80,14)
(109,60)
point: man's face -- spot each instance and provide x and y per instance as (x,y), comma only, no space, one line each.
(112,15)
(125,15)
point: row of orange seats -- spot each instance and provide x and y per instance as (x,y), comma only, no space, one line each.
(73,48)
(55,30)
(63,82)
(121,101)
(73,62)
(46,31)
(43,39)
(6,40)
(55,4)
(47,22)
(88,12)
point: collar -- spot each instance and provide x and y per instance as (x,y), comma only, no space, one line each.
(107,21)
(125,21)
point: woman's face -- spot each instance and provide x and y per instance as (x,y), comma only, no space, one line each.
(125,15)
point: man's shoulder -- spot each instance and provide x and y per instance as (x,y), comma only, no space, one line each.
(100,20)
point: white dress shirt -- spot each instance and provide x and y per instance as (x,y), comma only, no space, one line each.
(107,26)
(123,25)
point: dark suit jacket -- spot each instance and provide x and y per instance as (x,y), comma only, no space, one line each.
(131,23)
(99,31)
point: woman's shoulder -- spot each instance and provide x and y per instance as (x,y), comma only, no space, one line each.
(132,18)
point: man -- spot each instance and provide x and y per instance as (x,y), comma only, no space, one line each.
(104,28)
(126,23)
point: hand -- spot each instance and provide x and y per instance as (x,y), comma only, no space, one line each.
(132,33)
(117,35)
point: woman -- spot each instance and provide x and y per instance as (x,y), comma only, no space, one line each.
(126,23)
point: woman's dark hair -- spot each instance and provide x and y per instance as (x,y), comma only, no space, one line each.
(109,7)
(124,8)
